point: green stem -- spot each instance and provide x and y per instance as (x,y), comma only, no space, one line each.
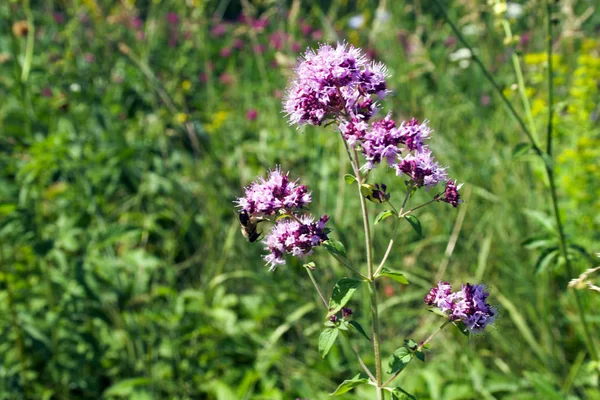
(372,285)
(314,282)
(489,77)
(520,82)
(360,360)
(17,327)
(550,78)
(563,248)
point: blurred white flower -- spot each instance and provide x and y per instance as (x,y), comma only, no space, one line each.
(382,15)
(514,10)
(357,21)
(75,87)
(471,30)
(460,54)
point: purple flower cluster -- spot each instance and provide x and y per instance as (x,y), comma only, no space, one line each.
(333,81)
(295,236)
(277,192)
(468,305)
(337,84)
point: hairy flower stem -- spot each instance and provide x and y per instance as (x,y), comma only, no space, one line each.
(545,156)
(372,286)
(320,292)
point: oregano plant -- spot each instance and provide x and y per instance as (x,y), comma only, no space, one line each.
(338,86)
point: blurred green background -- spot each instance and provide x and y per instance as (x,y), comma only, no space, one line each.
(128,128)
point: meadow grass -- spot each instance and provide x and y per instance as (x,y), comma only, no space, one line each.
(126,138)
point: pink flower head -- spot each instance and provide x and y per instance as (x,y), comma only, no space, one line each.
(422,169)
(296,237)
(277,192)
(382,141)
(330,81)
(414,134)
(226,79)
(278,39)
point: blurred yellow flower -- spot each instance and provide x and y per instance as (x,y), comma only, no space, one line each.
(181,117)
(217,121)
(186,85)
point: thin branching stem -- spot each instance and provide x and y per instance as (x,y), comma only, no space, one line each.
(320,292)
(421,346)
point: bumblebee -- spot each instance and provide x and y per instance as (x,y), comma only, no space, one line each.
(249,226)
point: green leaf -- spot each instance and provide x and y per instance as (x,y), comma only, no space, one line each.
(420,355)
(335,247)
(520,149)
(461,327)
(400,394)
(326,340)
(397,276)
(350,384)
(383,215)
(360,329)
(415,223)
(545,259)
(399,359)
(342,292)
(537,242)
(350,179)
(126,387)
(43,247)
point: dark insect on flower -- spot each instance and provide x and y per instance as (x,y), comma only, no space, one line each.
(376,193)
(249,226)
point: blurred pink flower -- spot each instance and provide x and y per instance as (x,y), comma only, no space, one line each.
(140,35)
(225,52)
(251,114)
(277,40)
(172,18)
(296,47)
(305,28)
(218,30)
(226,79)
(46,92)
(59,18)
(137,22)
(485,100)
(450,41)
(238,44)
(259,49)
(89,58)
(317,35)
(260,24)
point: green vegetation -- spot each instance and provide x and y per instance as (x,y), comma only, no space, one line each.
(128,128)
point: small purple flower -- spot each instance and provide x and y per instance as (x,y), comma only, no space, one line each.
(297,236)
(346,312)
(422,169)
(137,22)
(438,296)
(468,305)
(277,192)
(354,130)
(451,195)
(413,134)
(381,142)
